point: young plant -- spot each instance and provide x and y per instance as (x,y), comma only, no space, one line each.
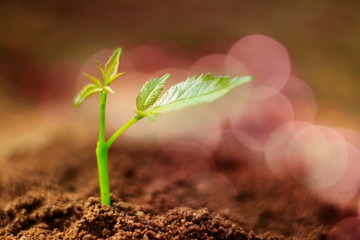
(195,90)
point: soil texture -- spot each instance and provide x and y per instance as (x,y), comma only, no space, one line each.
(157,193)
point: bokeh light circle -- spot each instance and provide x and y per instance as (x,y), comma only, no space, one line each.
(254,122)
(317,156)
(201,128)
(345,188)
(278,142)
(302,99)
(265,59)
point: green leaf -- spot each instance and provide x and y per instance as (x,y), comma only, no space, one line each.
(108,89)
(112,66)
(115,77)
(93,79)
(102,71)
(196,90)
(150,92)
(87,91)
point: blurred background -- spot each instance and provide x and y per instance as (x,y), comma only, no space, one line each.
(304,56)
(45,46)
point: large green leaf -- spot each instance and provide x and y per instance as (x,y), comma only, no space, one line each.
(195,90)
(86,92)
(112,66)
(150,92)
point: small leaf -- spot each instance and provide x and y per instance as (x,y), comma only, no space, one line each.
(102,71)
(87,91)
(108,89)
(150,92)
(112,66)
(115,77)
(196,90)
(93,79)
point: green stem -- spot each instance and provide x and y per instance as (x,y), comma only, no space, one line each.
(103,147)
(102,116)
(102,155)
(103,170)
(122,129)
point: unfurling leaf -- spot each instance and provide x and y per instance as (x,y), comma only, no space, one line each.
(93,79)
(102,71)
(87,91)
(150,92)
(195,90)
(112,66)
(115,77)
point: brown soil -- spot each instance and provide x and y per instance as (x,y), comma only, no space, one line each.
(52,194)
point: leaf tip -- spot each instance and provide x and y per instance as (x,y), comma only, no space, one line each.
(76,102)
(167,75)
(118,50)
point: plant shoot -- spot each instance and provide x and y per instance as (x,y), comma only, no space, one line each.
(193,91)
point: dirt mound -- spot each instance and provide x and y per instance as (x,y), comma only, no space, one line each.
(51,215)
(48,194)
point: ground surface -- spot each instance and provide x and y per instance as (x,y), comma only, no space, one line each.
(175,194)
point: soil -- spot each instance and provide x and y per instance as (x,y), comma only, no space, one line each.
(52,193)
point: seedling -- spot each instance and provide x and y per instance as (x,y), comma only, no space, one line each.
(193,91)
